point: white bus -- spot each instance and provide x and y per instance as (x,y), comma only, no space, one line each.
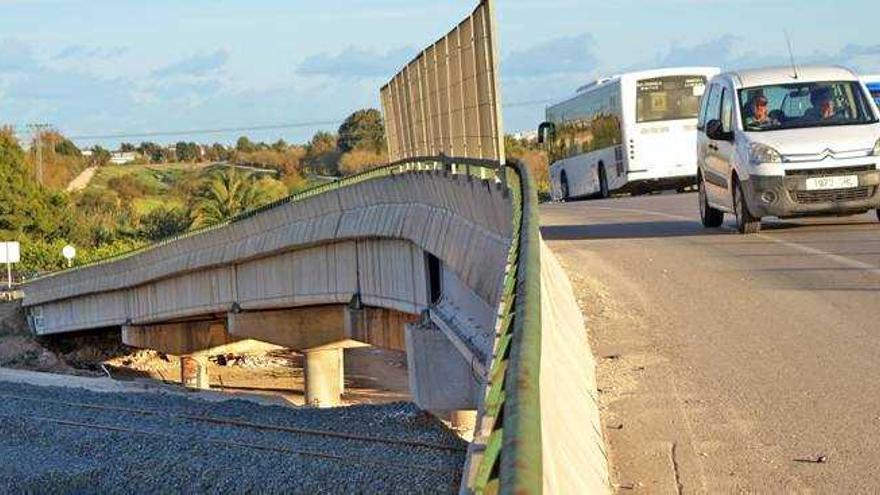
(873,84)
(633,132)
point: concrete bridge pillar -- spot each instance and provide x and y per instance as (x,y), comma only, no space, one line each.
(463,421)
(324,377)
(193,342)
(194,372)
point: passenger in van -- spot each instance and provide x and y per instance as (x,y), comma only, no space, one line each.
(823,105)
(758,114)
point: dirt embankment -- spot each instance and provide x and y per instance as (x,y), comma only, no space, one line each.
(81,355)
(17,348)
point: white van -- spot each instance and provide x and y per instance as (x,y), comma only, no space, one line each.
(787,142)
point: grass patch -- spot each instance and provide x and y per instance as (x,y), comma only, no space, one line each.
(167,185)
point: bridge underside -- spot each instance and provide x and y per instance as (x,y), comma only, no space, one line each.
(318,301)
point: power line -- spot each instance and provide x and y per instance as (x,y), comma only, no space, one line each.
(221,130)
(530,103)
(268,127)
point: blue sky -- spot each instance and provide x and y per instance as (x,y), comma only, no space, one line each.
(124,66)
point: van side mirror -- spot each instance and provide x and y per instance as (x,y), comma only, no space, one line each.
(715,131)
(546,132)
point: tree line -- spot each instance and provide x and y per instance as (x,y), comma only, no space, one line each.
(359,143)
(103,221)
(107,220)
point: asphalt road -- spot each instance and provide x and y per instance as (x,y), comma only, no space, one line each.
(729,363)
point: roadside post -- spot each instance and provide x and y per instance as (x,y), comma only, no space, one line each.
(69,252)
(10,252)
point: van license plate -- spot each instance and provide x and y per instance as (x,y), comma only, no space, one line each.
(823,183)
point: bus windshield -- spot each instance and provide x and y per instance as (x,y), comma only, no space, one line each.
(874,88)
(809,104)
(669,98)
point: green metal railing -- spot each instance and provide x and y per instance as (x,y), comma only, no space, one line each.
(511,460)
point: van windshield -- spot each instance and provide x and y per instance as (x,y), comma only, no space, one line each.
(809,104)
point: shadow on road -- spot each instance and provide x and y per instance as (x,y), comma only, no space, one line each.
(685,228)
(628,230)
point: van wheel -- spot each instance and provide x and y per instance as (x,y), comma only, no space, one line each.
(563,185)
(604,192)
(745,222)
(709,216)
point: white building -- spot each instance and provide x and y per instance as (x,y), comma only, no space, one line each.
(531,136)
(123,157)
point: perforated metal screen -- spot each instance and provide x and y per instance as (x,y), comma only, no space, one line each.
(446,101)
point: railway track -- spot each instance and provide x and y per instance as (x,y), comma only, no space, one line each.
(59,437)
(223,443)
(242,424)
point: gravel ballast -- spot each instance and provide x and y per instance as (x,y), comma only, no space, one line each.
(64,440)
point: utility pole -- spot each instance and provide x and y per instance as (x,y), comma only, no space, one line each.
(37,130)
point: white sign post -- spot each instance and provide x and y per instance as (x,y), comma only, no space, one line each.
(10,252)
(69,252)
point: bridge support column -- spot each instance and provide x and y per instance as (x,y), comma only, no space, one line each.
(324,377)
(194,372)
(464,421)
(440,378)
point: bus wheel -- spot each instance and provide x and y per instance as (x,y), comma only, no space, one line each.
(563,185)
(603,183)
(708,215)
(745,222)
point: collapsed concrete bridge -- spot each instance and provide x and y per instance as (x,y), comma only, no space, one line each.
(437,256)
(354,265)
(423,256)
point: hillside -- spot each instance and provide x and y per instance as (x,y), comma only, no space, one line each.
(170,185)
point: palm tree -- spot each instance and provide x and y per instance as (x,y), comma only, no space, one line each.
(225,194)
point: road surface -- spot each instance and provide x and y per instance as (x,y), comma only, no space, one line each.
(729,363)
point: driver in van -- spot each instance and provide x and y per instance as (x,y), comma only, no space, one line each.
(759,113)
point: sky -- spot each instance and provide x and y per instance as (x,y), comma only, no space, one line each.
(116,67)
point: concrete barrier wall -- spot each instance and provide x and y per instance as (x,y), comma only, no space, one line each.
(574,457)
(319,275)
(281,257)
(390,274)
(196,293)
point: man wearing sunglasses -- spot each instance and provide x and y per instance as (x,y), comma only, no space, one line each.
(759,114)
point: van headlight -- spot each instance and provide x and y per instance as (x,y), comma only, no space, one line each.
(877,148)
(761,153)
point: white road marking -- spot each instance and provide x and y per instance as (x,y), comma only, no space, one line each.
(843,260)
